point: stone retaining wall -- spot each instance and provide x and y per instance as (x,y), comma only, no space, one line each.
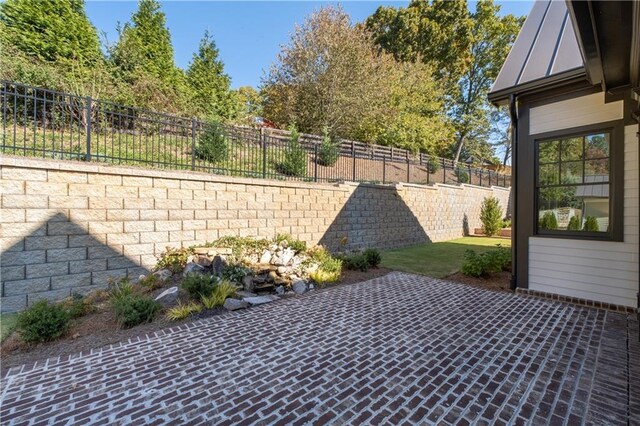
(71,227)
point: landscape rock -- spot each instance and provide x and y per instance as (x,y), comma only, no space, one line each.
(235,304)
(299,287)
(248,283)
(168,297)
(286,256)
(163,274)
(260,300)
(266,257)
(280,290)
(244,294)
(192,268)
(218,264)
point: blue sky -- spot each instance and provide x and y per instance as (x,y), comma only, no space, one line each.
(248,33)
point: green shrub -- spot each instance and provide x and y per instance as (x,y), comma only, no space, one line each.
(433,165)
(372,256)
(328,151)
(591,224)
(494,261)
(473,264)
(212,144)
(491,216)
(462,175)
(506,223)
(198,285)
(174,259)
(42,322)
(355,262)
(548,221)
(235,273)
(134,309)
(295,157)
(574,223)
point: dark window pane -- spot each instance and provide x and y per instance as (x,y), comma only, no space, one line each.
(549,174)
(571,149)
(571,172)
(597,146)
(574,208)
(548,152)
(597,170)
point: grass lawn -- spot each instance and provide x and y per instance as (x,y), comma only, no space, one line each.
(7,324)
(438,259)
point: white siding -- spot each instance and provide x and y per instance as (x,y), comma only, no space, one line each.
(575,112)
(595,270)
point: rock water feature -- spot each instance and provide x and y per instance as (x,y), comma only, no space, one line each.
(273,272)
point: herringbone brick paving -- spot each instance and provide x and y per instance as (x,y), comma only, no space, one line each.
(401,349)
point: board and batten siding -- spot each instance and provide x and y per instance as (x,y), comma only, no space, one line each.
(595,270)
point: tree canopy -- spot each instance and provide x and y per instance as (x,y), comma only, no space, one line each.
(49,30)
(331,74)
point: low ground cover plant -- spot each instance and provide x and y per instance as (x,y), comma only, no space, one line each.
(183,310)
(485,264)
(219,295)
(329,267)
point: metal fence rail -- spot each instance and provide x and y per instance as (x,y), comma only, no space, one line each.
(50,124)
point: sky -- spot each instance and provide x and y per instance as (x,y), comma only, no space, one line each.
(248,33)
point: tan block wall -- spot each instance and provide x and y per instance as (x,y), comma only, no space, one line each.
(71,227)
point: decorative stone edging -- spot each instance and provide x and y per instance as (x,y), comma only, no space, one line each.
(576,301)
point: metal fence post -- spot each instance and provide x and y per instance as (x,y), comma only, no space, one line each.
(384,169)
(428,168)
(408,169)
(470,178)
(193,144)
(444,171)
(353,154)
(88,128)
(263,142)
(481,173)
(315,162)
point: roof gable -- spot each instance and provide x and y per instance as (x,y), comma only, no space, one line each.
(546,47)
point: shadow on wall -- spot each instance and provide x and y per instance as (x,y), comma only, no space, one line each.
(374,216)
(57,259)
(465,225)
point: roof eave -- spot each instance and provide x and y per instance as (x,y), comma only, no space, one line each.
(501,97)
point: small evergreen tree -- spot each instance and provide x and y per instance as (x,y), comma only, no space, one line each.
(210,85)
(328,151)
(295,157)
(433,165)
(212,144)
(491,216)
(591,224)
(462,175)
(574,223)
(548,221)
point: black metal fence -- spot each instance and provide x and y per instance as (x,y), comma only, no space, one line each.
(50,124)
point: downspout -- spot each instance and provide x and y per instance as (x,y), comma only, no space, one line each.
(513,112)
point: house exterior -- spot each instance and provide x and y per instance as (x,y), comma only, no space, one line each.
(572,83)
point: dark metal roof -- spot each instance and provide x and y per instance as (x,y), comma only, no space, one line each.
(594,191)
(545,48)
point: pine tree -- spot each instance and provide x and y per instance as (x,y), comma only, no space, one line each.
(145,43)
(208,82)
(49,30)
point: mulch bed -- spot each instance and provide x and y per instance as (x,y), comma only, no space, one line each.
(496,282)
(100,329)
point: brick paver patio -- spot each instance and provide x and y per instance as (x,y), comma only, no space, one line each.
(398,349)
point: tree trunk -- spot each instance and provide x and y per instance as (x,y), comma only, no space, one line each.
(456,158)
